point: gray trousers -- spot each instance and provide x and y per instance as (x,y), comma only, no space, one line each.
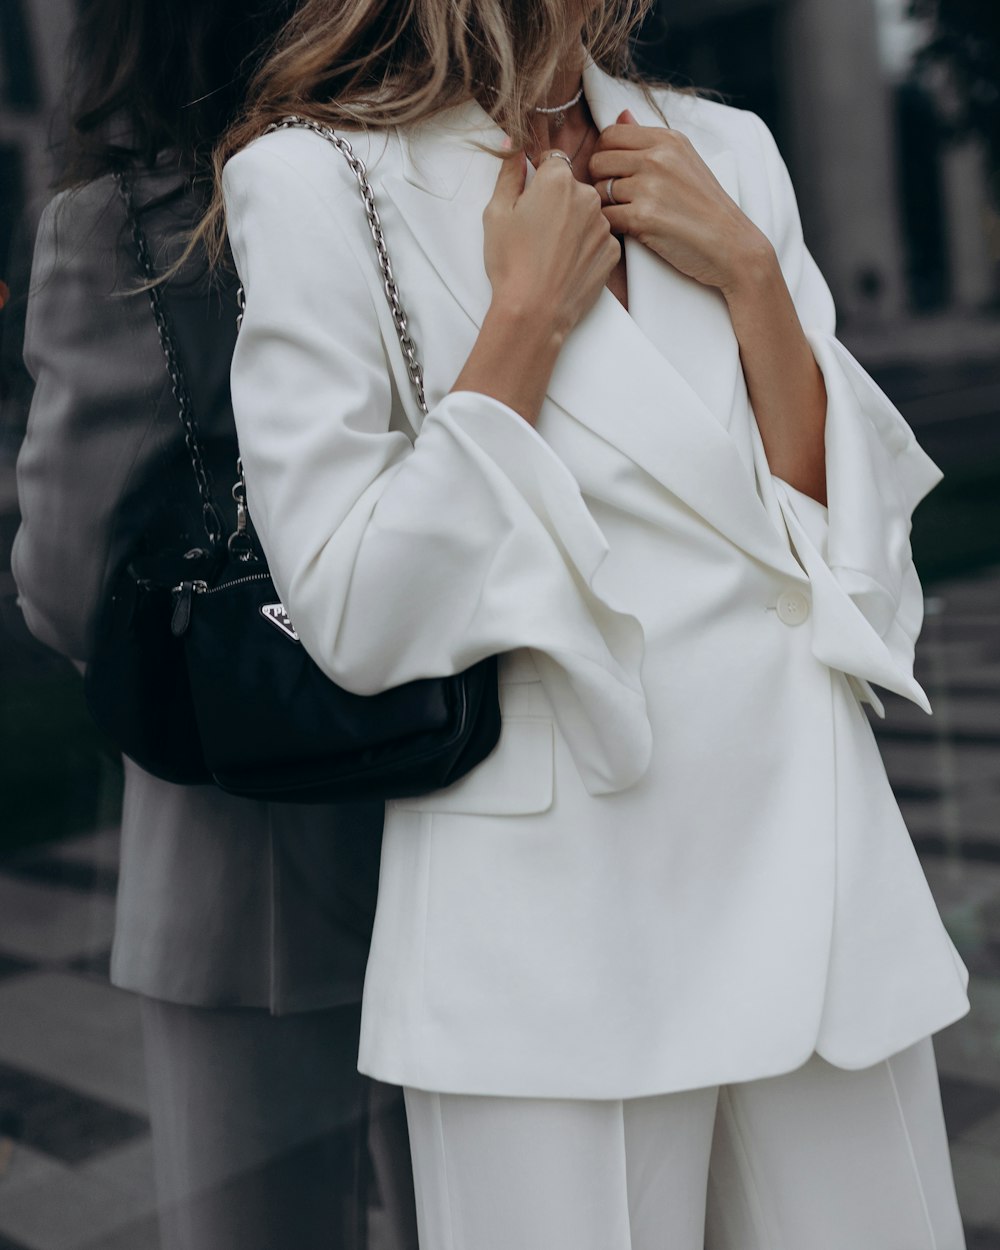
(265,1136)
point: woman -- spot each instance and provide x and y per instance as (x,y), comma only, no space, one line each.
(679,894)
(243,926)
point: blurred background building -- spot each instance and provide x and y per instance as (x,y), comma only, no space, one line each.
(897,212)
(895,159)
(33,37)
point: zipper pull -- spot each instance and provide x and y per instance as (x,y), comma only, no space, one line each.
(181,617)
(240,545)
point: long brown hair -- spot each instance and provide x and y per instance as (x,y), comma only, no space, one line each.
(376,64)
(148,76)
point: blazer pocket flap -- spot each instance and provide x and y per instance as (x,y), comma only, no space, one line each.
(514,780)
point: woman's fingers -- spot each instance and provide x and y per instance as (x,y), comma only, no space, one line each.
(614,163)
(628,136)
(547,246)
(510,181)
(616,190)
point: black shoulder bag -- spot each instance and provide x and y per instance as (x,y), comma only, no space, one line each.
(197,672)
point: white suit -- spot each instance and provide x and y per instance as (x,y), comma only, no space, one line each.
(683,864)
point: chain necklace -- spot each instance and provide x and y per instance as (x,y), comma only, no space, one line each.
(579,147)
(558,112)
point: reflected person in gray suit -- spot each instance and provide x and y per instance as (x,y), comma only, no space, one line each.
(243,925)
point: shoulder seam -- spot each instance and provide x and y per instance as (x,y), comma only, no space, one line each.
(366,268)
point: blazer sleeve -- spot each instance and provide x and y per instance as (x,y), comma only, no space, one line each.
(90,352)
(856,550)
(397,558)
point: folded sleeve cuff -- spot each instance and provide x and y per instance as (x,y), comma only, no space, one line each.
(588,652)
(857,548)
(488,545)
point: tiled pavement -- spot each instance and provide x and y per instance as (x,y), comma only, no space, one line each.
(945,770)
(75,1159)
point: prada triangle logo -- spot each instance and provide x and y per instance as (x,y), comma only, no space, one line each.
(276,614)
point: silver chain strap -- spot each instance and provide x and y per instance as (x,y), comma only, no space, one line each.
(240,543)
(399,317)
(214,526)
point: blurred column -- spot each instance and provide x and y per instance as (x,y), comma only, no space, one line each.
(968,214)
(33,41)
(840,128)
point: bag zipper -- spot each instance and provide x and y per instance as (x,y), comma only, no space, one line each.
(200,587)
(203,588)
(181,616)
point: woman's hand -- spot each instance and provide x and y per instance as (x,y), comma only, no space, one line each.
(670,201)
(549,252)
(549,249)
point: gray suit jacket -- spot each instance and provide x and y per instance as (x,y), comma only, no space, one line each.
(221,901)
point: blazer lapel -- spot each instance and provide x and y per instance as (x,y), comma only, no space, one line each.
(611,376)
(677,314)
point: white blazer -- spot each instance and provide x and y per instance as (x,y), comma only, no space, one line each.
(683,864)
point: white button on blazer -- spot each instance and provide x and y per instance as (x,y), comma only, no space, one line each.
(793,607)
(683,864)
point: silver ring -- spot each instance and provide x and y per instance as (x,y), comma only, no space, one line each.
(610,191)
(561,155)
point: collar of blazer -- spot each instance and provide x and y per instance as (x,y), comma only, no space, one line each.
(610,375)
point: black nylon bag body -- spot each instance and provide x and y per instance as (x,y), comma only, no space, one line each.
(136,683)
(197,674)
(274,726)
(168,526)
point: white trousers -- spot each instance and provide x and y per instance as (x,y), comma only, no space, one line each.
(816,1159)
